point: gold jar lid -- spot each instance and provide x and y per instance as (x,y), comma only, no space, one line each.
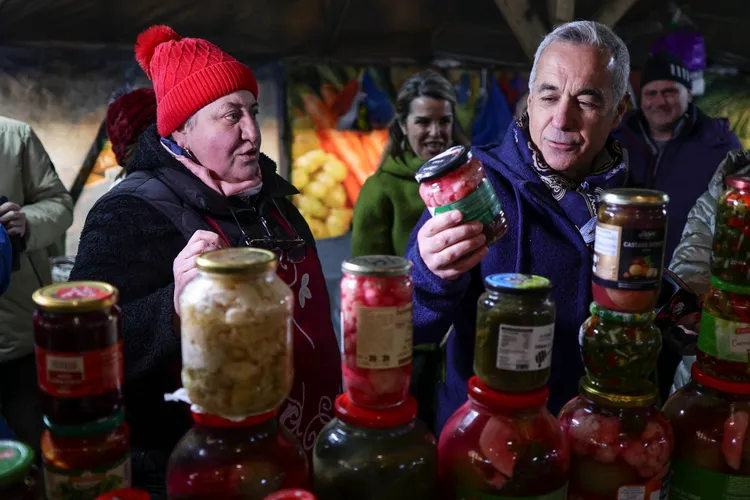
(381,266)
(236,261)
(76,296)
(634,196)
(641,400)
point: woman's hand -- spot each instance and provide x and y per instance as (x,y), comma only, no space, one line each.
(184,269)
(449,248)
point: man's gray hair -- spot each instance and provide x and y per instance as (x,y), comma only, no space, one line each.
(596,35)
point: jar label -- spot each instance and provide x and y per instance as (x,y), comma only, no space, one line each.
(62,484)
(525,348)
(464,493)
(639,492)
(724,339)
(689,482)
(481,204)
(384,337)
(78,375)
(628,258)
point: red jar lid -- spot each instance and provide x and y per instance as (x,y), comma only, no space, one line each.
(737,181)
(386,418)
(491,398)
(291,495)
(216,421)
(720,385)
(125,494)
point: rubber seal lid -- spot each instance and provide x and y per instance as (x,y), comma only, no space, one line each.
(518,283)
(386,418)
(216,421)
(444,163)
(15,461)
(492,399)
(96,428)
(707,380)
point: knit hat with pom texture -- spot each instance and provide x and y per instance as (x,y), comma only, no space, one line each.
(188,74)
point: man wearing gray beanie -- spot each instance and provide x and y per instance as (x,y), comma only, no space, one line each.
(672,145)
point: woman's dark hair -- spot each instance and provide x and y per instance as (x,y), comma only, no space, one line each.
(424,84)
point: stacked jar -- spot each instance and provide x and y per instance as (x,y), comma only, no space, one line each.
(375,447)
(236,331)
(620,443)
(503,443)
(723,340)
(78,343)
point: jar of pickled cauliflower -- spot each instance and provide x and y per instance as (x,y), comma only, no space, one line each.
(455,180)
(376,318)
(236,320)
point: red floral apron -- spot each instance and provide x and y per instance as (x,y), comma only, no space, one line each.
(317,360)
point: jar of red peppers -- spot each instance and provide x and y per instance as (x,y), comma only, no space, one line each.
(712,446)
(629,249)
(730,256)
(19,479)
(455,180)
(501,446)
(244,460)
(620,446)
(620,350)
(85,461)
(724,338)
(376,317)
(78,342)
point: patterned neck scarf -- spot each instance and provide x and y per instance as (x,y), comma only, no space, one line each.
(579,200)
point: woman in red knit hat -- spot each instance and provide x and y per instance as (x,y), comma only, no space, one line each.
(195,171)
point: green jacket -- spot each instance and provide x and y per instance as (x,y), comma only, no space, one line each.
(388,208)
(28,178)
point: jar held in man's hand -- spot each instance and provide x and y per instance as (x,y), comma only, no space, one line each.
(236,320)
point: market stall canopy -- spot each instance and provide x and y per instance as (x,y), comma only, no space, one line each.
(483,31)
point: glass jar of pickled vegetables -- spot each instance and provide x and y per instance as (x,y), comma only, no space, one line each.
(629,249)
(381,454)
(291,495)
(620,350)
(19,479)
(454,180)
(515,332)
(78,344)
(712,447)
(620,446)
(236,460)
(376,324)
(724,337)
(730,255)
(84,461)
(236,318)
(501,446)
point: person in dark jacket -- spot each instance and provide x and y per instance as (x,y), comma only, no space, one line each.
(548,173)
(672,145)
(199,182)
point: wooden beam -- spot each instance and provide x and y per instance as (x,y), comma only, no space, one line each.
(524,23)
(612,11)
(560,11)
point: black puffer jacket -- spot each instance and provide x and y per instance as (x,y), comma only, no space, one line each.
(128,242)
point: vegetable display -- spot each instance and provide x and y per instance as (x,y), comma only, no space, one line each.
(730,255)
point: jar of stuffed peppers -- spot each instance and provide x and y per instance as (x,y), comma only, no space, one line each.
(19,478)
(515,332)
(712,447)
(629,249)
(620,445)
(78,345)
(233,460)
(455,180)
(503,445)
(619,349)
(730,255)
(376,317)
(381,454)
(724,337)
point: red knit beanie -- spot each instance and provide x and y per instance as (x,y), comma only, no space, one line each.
(127,117)
(188,74)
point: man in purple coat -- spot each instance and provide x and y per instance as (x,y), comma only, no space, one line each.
(548,174)
(672,145)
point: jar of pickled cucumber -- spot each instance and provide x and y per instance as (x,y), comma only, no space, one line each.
(730,254)
(620,350)
(515,332)
(724,337)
